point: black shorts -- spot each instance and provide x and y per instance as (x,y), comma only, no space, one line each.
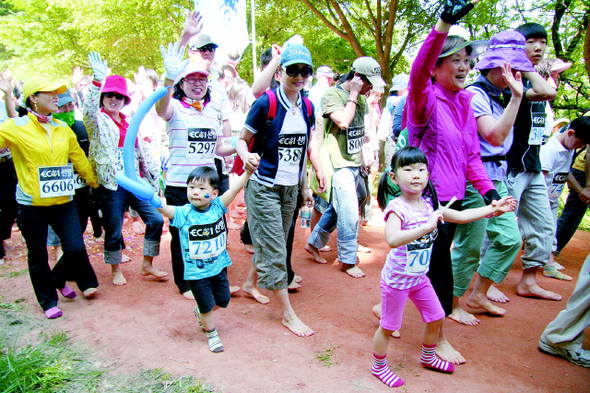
(211,291)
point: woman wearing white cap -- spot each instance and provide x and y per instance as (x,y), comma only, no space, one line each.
(194,134)
(41,148)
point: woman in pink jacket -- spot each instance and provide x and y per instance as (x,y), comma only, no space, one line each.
(441,122)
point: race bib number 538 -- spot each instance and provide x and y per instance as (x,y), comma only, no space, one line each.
(56,181)
(291,148)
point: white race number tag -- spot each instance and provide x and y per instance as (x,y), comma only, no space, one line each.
(201,143)
(56,181)
(78,181)
(418,261)
(207,240)
(355,136)
(291,148)
(538,128)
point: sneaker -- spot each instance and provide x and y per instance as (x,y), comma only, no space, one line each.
(579,358)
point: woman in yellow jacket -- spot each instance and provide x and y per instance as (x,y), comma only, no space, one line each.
(43,151)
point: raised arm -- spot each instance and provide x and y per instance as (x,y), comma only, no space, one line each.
(192,27)
(174,65)
(344,117)
(542,90)
(262,81)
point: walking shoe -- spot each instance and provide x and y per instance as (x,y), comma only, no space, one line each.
(579,358)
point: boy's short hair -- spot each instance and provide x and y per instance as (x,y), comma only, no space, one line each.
(581,126)
(532,30)
(205,173)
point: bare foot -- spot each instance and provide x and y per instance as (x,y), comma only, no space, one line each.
(233,225)
(495,295)
(138,228)
(2,261)
(59,252)
(90,292)
(293,286)
(353,271)
(377,310)
(536,291)
(255,293)
(462,316)
(315,253)
(249,248)
(364,249)
(326,248)
(188,295)
(297,327)
(396,334)
(118,278)
(125,258)
(99,239)
(482,302)
(233,289)
(297,278)
(446,352)
(148,270)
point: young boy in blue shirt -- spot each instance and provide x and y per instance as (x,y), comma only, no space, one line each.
(203,239)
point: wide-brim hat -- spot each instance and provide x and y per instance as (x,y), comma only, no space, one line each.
(192,68)
(40,83)
(506,47)
(295,54)
(369,67)
(116,84)
(559,66)
(477,48)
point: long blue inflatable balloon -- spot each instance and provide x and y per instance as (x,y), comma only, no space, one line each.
(128,179)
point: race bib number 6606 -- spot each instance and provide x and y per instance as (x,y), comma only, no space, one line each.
(56,181)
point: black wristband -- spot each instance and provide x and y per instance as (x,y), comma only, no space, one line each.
(490,196)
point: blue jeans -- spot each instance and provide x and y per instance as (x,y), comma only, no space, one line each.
(572,214)
(72,266)
(343,214)
(114,204)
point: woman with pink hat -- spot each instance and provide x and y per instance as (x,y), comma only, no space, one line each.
(42,149)
(194,132)
(107,127)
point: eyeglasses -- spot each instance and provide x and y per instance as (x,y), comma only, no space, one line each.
(206,48)
(293,70)
(194,81)
(112,94)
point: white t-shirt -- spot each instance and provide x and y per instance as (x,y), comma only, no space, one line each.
(556,160)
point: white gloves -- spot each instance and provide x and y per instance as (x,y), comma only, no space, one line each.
(99,66)
(173,63)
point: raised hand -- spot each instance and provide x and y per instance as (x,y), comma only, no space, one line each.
(77,74)
(173,63)
(99,66)
(192,24)
(454,10)
(514,80)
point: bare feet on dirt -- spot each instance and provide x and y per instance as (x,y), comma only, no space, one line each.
(293,286)
(353,271)
(255,293)
(188,295)
(463,317)
(326,248)
(233,225)
(233,289)
(536,292)
(118,278)
(90,292)
(495,295)
(364,249)
(315,253)
(249,248)
(125,258)
(148,270)
(482,302)
(297,278)
(446,352)
(297,327)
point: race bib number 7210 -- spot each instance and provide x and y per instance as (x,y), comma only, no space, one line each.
(207,240)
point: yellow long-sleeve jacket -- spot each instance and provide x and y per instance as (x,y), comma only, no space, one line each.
(34,145)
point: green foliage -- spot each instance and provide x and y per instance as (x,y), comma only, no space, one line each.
(327,357)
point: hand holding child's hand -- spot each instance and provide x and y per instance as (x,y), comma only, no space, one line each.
(433,219)
(252,162)
(504,205)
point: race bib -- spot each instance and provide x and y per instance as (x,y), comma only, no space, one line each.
(201,143)
(78,181)
(56,181)
(559,180)
(119,166)
(538,128)
(291,148)
(207,240)
(418,254)
(355,137)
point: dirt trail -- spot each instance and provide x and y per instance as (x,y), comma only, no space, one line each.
(147,324)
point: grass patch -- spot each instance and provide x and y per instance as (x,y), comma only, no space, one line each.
(328,357)
(46,367)
(157,381)
(15,273)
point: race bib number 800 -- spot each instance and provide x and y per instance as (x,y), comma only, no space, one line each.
(207,240)
(56,181)
(355,136)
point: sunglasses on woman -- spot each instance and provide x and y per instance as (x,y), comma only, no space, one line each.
(293,70)
(206,48)
(112,94)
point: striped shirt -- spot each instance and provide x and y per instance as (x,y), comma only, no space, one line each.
(407,265)
(193,137)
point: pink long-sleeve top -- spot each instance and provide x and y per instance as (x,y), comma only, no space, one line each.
(442,123)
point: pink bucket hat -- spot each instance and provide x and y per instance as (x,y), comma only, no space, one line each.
(116,84)
(506,47)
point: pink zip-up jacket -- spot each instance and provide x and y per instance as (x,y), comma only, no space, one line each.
(442,123)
